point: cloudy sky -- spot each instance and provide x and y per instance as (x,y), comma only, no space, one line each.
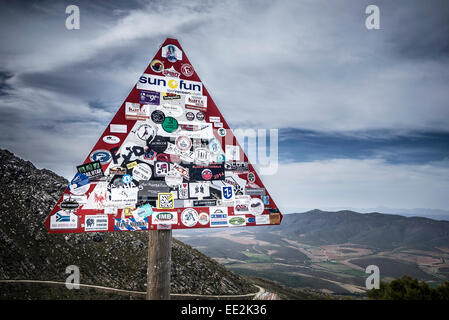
(362,115)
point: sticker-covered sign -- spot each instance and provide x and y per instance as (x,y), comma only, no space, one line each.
(166,160)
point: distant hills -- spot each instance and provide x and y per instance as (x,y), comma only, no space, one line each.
(382,231)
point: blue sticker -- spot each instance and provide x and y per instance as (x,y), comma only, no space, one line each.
(104,156)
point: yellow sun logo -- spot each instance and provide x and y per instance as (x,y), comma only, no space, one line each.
(173,84)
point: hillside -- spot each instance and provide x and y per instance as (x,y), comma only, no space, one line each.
(330,251)
(115,260)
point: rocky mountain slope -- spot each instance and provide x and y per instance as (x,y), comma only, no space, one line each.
(116,259)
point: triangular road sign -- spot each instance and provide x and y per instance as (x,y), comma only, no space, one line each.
(167,160)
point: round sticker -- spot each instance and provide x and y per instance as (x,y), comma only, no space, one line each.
(127,178)
(206,174)
(256,206)
(143,171)
(104,156)
(80,184)
(203,218)
(189,217)
(145,132)
(200,116)
(187,70)
(170,124)
(221,132)
(183,143)
(251,177)
(190,116)
(173,179)
(157,116)
(214,146)
(111,139)
(157,66)
(159,144)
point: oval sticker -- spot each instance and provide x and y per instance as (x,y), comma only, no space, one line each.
(111,139)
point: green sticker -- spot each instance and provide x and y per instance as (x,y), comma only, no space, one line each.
(170,124)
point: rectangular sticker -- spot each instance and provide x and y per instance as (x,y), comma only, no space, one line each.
(136,111)
(218,216)
(92,170)
(170,85)
(118,128)
(164,217)
(98,222)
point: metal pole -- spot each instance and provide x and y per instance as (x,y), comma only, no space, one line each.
(159,263)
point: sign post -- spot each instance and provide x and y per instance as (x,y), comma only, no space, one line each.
(167,160)
(159,264)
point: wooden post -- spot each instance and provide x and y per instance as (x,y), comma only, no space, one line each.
(159,264)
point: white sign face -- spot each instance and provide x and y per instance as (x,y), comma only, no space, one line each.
(63,220)
(99,222)
(170,85)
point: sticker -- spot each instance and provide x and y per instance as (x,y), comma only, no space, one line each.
(159,144)
(157,116)
(98,222)
(170,124)
(148,190)
(265,200)
(204,203)
(157,66)
(275,218)
(214,146)
(236,166)
(127,178)
(131,165)
(81,199)
(236,221)
(199,190)
(130,225)
(145,132)
(263,219)
(200,116)
(117,170)
(218,124)
(172,110)
(166,96)
(118,128)
(111,139)
(187,70)
(227,193)
(256,206)
(92,170)
(203,218)
(143,171)
(104,156)
(190,116)
(161,169)
(241,204)
(184,172)
(164,217)
(251,177)
(69,205)
(202,155)
(170,85)
(218,216)
(63,220)
(80,184)
(136,111)
(255,191)
(189,217)
(214,119)
(173,179)
(171,72)
(123,195)
(195,102)
(221,132)
(149,97)
(165,200)
(232,153)
(171,52)
(214,171)
(143,212)
(183,143)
